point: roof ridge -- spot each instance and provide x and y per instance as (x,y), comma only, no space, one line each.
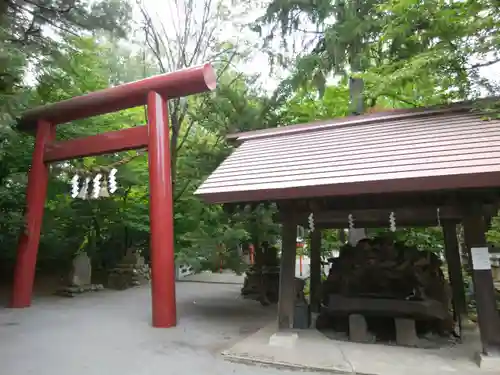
(369,118)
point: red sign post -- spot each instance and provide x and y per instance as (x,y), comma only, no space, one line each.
(300,247)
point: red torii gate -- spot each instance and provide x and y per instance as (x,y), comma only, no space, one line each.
(153,92)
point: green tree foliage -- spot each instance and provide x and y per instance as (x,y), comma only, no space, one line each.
(443,42)
(307,106)
(30,30)
(417,52)
(80,67)
(409,53)
(204,235)
(63,66)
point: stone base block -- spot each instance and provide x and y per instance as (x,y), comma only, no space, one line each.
(489,362)
(358,329)
(406,333)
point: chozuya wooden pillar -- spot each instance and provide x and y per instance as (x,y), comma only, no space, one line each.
(153,92)
(286,302)
(315,280)
(484,291)
(452,254)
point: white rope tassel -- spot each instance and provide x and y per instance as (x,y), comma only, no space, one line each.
(310,219)
(74,186)
(438,217)
(392,222)
(350,218)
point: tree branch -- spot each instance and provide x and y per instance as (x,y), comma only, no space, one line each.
(182,191)
(485,64)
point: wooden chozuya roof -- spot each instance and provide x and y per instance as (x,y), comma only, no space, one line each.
(415,150)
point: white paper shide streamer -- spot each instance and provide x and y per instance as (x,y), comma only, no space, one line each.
(112,181)
(310,219)
(96,186)
(392,222)
(102,185)
(350,218)
(74,186)
(85,188)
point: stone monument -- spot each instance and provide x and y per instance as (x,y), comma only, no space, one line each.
(82,270)
(131,271)
(80,279)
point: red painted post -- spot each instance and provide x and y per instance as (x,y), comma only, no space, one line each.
(24,273)
(252,254)
(300,264)
(161,214)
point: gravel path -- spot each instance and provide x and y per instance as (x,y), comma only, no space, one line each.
(109,332)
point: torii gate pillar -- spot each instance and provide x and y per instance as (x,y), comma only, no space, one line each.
(153,92)
(161,213)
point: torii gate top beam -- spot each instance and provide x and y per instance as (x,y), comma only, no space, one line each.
(170,85)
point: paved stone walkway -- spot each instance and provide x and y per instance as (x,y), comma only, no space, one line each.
(109,332)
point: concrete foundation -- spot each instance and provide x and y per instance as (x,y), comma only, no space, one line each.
(315,352)
(311,351)
(284,339)
(489,363)
(358,329)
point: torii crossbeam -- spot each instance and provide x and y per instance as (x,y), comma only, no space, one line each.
(153,92)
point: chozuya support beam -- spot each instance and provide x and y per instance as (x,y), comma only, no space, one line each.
(406,216)
(484,291)
(152,91)
(316,268)
(452,254)
(286,302)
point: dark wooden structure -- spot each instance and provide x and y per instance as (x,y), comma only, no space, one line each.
(430,166)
